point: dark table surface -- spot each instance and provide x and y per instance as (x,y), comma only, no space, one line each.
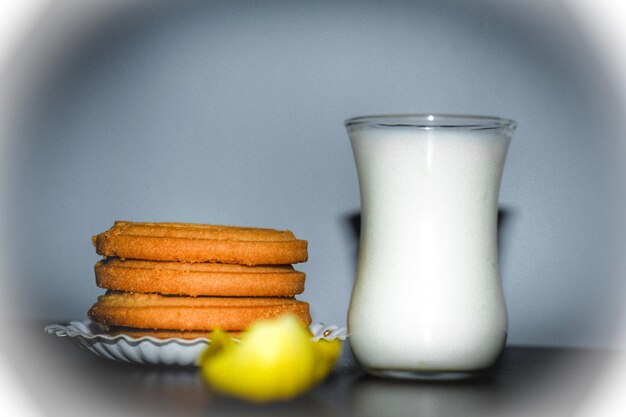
(65,380)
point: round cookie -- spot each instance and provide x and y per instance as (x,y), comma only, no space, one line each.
(164,333)
(187,242)
(155,311)
(195,279)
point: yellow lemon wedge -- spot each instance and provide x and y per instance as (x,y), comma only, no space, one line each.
(273,360)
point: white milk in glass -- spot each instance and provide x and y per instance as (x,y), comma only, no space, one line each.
(427,300)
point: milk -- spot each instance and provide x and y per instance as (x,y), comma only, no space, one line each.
(427,299)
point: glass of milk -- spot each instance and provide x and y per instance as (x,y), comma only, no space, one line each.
(427,301)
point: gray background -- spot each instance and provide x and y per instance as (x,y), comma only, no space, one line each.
(232,112)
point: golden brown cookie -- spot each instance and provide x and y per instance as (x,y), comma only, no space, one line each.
(164,333)
(195,279)
(189,242)
(154,311)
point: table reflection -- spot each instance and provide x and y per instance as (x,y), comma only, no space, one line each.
(371,396)
(182,390)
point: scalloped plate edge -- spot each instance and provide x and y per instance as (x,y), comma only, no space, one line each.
(89,336)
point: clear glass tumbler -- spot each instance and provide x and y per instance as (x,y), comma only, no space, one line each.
(427,301)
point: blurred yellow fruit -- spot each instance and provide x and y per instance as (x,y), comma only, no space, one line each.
(274,360)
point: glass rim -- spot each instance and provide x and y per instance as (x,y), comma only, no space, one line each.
(432,121)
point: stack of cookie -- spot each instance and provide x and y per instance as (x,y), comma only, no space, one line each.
(184,280)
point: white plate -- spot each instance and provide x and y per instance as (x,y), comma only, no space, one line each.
(150,350)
